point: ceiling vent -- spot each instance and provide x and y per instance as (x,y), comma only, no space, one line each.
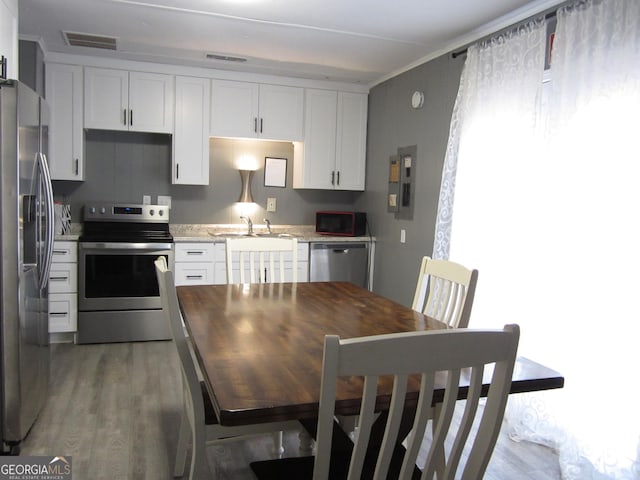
(76,39)
(225,58)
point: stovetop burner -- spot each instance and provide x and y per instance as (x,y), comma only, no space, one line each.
(126,223)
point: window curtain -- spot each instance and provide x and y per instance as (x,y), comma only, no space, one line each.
(545,177)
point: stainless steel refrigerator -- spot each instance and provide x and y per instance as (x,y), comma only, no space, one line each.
(26,242)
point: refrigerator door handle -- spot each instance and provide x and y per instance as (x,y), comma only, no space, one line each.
(45,177)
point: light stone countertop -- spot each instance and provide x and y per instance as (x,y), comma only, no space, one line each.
(216,232)
(66,238)
(72,236)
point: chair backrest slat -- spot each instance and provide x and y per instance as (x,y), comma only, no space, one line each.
(263,258)
(461,354)
(445,291)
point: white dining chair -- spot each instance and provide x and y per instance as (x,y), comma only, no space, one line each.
(445,291)
(438,359)
(198,417)
(262,259)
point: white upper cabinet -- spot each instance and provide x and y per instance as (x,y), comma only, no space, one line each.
(251,110)
(63,91)
(191,138)
(234,109)
(9,35)
(333,155)
(317,168)
(281,113)
(122,100)
(351,141)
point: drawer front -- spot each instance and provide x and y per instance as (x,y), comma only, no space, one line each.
(194,252)
(63,312)
(194,274)
(65,252)
(63,278)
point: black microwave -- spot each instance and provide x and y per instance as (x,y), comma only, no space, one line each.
(347,224)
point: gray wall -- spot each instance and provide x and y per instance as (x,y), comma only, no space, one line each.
(393,124)
(124,166)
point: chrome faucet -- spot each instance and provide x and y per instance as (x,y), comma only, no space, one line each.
(249,224)
(266,220)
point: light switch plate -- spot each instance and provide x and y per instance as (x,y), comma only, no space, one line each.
(164,200)
(271,204)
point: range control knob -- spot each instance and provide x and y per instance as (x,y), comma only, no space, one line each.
(152,212)
(161,212)
(103,210)
(92,210)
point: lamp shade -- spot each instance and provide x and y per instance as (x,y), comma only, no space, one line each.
(245,195)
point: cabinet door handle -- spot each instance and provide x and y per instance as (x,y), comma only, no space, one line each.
(125,116)
(131,117)
(60,252)
(261,120)
(333,177)
(338,176)
(195,252)
(255,124)
(194,277)
(77,166)
(58,279)
(177,171)
(58,314)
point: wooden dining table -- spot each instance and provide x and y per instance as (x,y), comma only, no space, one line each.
(260,346)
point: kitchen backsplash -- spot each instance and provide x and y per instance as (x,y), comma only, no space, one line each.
(124,166)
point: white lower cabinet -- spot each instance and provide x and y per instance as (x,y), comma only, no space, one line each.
(63,288)
(205,263)
(194,263)
(63,312)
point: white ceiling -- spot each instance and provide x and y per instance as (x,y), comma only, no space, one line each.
(360,41)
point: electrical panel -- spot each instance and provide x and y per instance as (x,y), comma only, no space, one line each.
(402,175)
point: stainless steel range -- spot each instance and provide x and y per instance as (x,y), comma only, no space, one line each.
(118,296)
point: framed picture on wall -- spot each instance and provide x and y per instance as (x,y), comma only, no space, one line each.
(275,172)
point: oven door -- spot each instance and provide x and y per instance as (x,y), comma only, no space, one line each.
(119,276)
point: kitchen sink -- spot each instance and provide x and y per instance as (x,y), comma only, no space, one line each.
(275,235)
(255,235)
(231,234)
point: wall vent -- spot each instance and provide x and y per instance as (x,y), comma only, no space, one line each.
(90,40)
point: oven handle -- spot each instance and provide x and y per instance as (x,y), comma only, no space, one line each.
(124,246)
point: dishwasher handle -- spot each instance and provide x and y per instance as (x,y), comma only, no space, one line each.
(338,247)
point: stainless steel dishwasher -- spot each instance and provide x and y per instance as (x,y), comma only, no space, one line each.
(332,261)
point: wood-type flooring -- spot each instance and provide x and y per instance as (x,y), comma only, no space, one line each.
(114,408)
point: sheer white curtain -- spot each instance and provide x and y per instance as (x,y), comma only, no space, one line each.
(546,207)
